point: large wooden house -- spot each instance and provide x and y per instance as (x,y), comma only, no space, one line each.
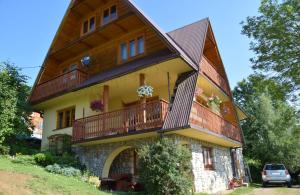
(103,52)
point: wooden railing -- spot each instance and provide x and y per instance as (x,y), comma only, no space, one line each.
(140,117)
(207,69)
(205,118)
(58,85)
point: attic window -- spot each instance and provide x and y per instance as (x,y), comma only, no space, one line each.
(109,14)
(132,48)
(88,25)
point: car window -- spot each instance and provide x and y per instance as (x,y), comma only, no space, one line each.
(275,167)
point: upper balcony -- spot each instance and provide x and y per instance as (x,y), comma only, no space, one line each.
(208,70)
(57,85)
(207,119)
(146,116)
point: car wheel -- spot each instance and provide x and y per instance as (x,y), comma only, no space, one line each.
(289,185)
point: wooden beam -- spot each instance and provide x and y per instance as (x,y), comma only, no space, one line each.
(102,36)
(120,27)
(85,4)
(142,79)
(106,98)
(86,44)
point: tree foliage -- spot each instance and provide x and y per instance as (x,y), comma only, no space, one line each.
(275,37)
(14,110)
(272,129)
(165,168)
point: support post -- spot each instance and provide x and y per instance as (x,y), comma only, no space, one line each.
(143,99)
(105,98)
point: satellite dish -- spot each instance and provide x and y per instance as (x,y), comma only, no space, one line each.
(86,61)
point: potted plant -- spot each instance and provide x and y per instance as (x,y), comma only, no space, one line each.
(97,105)
(214,103)
(145,91)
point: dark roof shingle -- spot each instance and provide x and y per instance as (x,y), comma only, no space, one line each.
(191,39)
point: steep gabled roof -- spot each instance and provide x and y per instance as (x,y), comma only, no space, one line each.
(191,39)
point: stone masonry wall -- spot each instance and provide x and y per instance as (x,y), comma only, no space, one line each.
(210,181)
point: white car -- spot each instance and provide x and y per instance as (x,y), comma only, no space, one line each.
(276,174)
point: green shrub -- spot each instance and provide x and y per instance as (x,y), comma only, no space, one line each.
(25,147)
(4,150)
(165,168)
(24,159)
(67,171)
(44,159)
(67,159)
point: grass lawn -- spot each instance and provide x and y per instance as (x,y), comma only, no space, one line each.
(30,179)
(245,190)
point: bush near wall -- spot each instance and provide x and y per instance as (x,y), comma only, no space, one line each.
(165,168)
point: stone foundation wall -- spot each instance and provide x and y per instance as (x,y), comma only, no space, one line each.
(94,157)
(123,163)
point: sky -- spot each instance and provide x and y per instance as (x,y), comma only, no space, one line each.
(28,27)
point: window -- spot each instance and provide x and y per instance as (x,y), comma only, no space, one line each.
(65,118)
(141,45)
(132,48)
(88,25)
(207,158)
(58,144)
(123,51)
(92,24)
(109,14)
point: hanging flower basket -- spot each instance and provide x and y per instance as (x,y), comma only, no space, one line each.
(145,91)
(214,100)
(97,105)
(214,103)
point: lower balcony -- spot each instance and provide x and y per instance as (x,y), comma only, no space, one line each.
(62,83)
(207,119)
(147,116)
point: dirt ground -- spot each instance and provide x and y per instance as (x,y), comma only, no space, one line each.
(276,191)
(14,183)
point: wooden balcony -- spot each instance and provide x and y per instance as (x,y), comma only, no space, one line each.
(140,117)
(208,70)
(205,118)
(60,84)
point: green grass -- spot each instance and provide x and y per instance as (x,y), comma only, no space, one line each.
(244,190)
(43,182)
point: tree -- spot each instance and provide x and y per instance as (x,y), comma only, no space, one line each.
(276,42)
(272,129)
(165,168)
(14,109)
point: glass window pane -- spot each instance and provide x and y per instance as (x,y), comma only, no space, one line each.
(92,24)
(85,27)
(113,12)
(105,16)
(132,48)
(68,119)
(141,45)
(60,120)
(123,51)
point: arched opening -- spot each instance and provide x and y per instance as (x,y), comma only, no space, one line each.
(110,159)
(121,170)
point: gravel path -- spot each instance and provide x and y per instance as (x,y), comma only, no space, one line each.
(276,191)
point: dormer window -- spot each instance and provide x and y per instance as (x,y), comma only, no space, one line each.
(132,48)
(109,14)
(88,25)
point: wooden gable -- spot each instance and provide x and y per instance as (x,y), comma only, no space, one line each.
(69,45)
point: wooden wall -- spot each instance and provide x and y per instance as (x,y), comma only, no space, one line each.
(105,55)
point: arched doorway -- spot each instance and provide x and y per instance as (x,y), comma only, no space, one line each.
(120,169)
(110,159)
